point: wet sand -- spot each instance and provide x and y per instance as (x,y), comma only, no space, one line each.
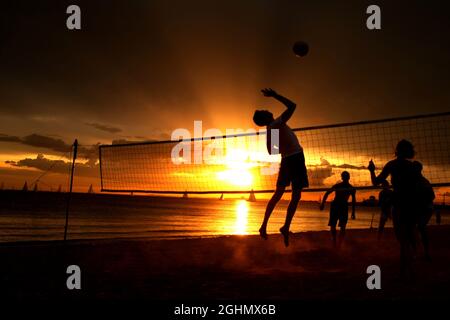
(232,267)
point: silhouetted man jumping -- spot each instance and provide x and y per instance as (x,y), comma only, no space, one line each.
(292,167)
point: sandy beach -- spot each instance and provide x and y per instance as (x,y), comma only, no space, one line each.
(231,267)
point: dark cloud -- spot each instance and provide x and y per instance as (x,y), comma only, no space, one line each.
(324,163)
(104,127)
(153,135)
(56,166)
(127,141)
(7,138)
(50,143)
(89,152)
(349,166)
(317,175)
(39,141)
(54,144)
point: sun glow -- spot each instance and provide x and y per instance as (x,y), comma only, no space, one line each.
(237,177)
(238,172)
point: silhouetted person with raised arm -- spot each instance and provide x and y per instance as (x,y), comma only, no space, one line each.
(425,197)
(339,206)
(404,179)
(292,167)
(385,201)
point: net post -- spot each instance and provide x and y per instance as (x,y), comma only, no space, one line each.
(75,148)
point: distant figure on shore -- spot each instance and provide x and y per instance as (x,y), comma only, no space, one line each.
(385,201)
(339,207)
(292,167)
(404,180)
(425,199)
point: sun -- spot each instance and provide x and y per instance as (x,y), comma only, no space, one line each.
(237,177)
(238,169)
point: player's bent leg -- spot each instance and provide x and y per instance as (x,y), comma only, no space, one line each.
(333,235)
(381,225)
(269,209)
(341,235)
(295,199)
(425,242)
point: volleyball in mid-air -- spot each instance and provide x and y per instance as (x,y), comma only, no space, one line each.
(300,48)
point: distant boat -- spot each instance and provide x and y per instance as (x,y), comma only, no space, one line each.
(59,189)
(91,189)
(35,189)
(252,197)
(185,195)
(221,197)
(25,187)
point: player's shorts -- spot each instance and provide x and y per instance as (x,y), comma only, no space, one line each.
(338,212)
(293,170)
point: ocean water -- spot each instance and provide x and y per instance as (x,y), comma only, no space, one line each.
(41,216)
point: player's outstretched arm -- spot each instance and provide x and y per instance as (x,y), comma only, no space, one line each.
(376,180)
(325,197)
(290,105)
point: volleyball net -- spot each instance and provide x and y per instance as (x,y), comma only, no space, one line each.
(239,162)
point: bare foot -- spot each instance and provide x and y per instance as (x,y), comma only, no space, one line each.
(263,233)
(285,232)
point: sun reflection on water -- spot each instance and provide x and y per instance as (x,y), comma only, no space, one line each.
(240,226)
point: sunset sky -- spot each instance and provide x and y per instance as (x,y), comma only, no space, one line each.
(140,69)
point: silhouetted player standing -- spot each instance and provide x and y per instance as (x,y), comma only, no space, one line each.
(385,200)
(404,180)
(339,206)
(292,167)
(425,207)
